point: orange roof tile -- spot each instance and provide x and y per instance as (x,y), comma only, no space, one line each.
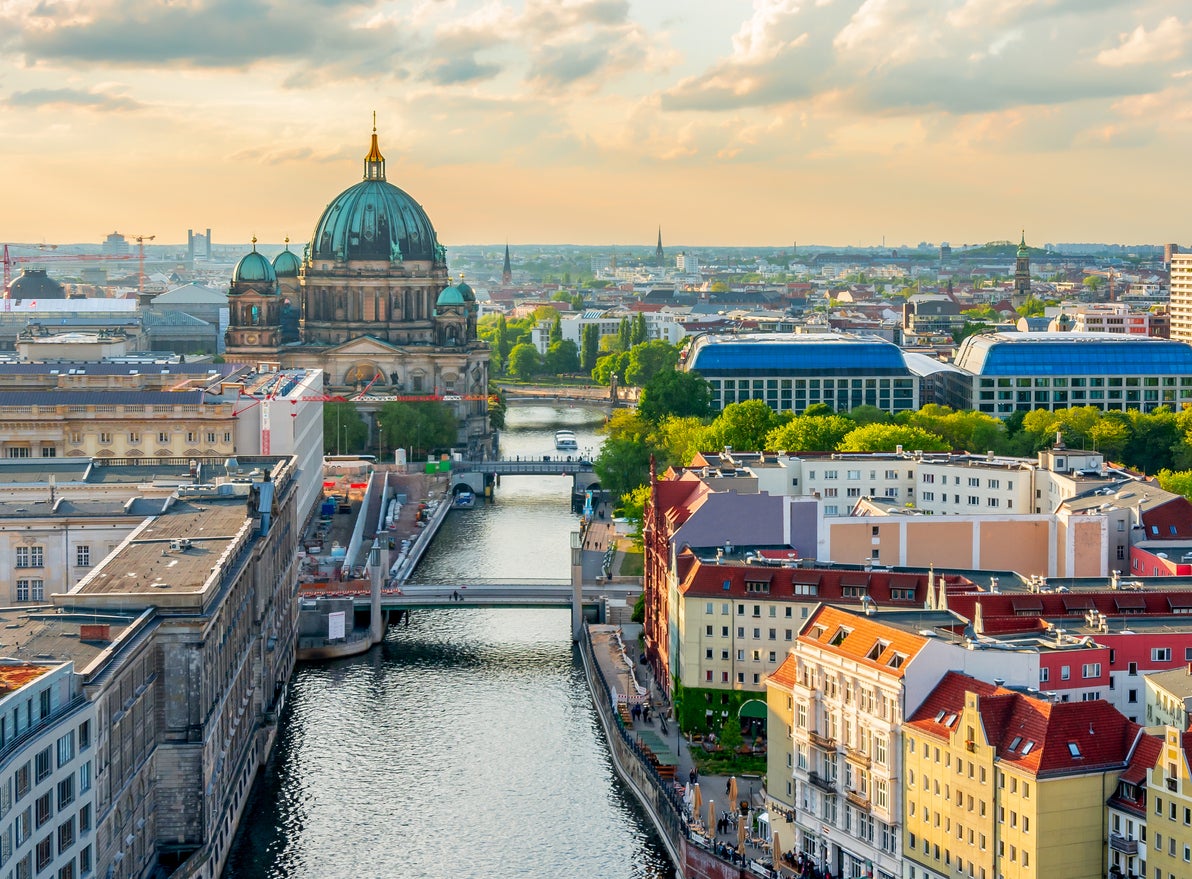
(861,637)
(784,675)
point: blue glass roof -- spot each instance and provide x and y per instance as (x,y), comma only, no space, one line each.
(1010,354)
(777,354)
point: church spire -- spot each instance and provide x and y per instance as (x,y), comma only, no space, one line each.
(507,269)
(659,255)
(374,162)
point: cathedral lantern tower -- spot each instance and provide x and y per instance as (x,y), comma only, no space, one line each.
(254,319)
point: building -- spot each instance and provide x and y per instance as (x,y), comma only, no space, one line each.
(378,309)
(1169,820)
(1002,784)
(793,371)
(1127,810)
(48,770)
(183,720)
(1022,273)
(659,325)
(1181,296)
(1169,697)
(1006,373)
(1117,318)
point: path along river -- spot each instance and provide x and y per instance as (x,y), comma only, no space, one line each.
(465,746)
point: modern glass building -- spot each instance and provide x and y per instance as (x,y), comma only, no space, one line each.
(793,371)
(1003,373)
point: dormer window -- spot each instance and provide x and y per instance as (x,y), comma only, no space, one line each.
(877,650)
(839,637)
(896,661)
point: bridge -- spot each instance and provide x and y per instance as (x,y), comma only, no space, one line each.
(475,593)
(479,475)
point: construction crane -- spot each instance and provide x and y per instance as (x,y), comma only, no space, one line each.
(140,240)
(12,261)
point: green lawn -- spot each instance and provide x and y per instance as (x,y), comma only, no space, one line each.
(727,764)
(632,564)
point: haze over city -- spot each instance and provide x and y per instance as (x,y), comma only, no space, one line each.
(833,122)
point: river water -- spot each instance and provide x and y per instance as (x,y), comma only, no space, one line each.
(466,745)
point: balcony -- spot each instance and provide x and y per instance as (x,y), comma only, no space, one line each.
(860,800)
(822,741)
(1127,845)
(860,758)
(826,785)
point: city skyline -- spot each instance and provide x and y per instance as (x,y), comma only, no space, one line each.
(839,123)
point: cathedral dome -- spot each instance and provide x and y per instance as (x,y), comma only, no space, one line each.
(374,220)
(253,267)
(35,284)
(467,292)
(450,296)
(286,263)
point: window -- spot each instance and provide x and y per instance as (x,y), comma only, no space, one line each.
(85,819)
(1065,673)
(1044,675)
(44,765)
(85,860)
(1091,670)
(43,808)
(1158,654)
(66,835)
(105,438)
(83,556)
(30,557)
(66,749)
(45,853)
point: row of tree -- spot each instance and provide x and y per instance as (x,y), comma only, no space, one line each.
(673,423)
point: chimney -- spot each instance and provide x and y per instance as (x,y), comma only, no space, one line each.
(978,618)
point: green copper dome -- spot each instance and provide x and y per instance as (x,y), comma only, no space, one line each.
(467,292)
(286,264)
(450,296)
(1023,250)
(254,267)
(374,220)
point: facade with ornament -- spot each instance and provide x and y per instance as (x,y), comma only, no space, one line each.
(378,312)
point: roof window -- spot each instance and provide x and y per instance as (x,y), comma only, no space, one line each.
(879,647)
(1074,750)
(839,637)
(1026,749)
(1016,742)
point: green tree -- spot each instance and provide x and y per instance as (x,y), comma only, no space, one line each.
(420,427)
(731,739)
(562,357)
(1154,439)
(681,438)
(497,407)
(622,465)
(638,332)
(524,361)
(556,329)
(744,426)
(968,430)
(648,359)
(589,347)
(624,334)
(816,433)
(815,410)
(886,437)
(343,428)
(1093,283)
(503,343)
(577,301)
(1032,307)
(609,365)
(867,414)
(670,392)
(1178,481)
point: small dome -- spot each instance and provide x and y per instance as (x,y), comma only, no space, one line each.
(254,267)
(464,290)
(450,296)
(286,264)
(35,284)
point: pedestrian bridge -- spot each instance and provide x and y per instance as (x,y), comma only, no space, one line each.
(478,475)
(474,593)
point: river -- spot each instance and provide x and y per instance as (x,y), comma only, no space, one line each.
(466,745)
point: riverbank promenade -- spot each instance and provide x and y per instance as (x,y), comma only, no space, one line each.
(717,813)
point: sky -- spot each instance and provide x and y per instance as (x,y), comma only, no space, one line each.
(725,122)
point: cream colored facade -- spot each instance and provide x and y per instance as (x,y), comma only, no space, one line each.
(1181,297)
(1169,822)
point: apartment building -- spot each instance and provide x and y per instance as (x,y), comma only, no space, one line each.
(1181,297)
(1169,697)
(1169,817)
(1127,813)
(1003,784)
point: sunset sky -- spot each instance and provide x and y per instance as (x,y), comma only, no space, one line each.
(595,121)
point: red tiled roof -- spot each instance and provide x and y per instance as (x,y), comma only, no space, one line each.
(861,635)
(1143,760)
(1169,521)
(784,675)
(1040,737)
(1005,612)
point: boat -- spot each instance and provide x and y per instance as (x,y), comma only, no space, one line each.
(565,441)
(465,498)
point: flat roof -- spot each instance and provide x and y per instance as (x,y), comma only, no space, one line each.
(14,676)
(40,636)
(1063,353)
(145,564)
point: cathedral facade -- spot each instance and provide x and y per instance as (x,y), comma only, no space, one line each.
(376,307)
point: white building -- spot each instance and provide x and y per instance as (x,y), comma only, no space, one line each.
(1181,296)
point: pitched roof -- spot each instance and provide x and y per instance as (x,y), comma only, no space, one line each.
(784,675)
(862,638)
(1037,736)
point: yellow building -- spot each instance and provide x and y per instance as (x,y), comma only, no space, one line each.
(1169,818)
(780,750)
(1002,785)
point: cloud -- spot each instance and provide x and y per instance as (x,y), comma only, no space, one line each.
(68,97)
(1167,42)
(465,69)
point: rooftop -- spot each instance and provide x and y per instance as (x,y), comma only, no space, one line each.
(38,636)
(795,354)
(1176,681)
(1060,353)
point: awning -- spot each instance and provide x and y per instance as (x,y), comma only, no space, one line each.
(1180,602)
(854,579)
(1129,602)
(754,708)
(1077,603)
(801,579)
(762,579)
(1027,605)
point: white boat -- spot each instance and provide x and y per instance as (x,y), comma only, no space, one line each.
(465,498)
(565,441)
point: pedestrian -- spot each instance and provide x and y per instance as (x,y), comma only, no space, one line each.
(691,775)
(728,786)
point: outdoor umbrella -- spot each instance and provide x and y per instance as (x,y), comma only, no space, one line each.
(732,793)
(775,849)
(697,801)
(741,835)
(712,818)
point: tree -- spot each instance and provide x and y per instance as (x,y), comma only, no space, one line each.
(817,409)
(681,438)
(343,428)
(420,427)
(731,739)
(969,430)
(497,407)
(624,334)
(556,329)
(503,343)
(610,365)
(1093,283)
(670,392)
(817,433)
(744,426)
(867,414)
(562,357)
(1178,481)
(887,437)
(1154,439)
(524,361)
(622,465)
(638,332)
(648,359)
(589,347)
